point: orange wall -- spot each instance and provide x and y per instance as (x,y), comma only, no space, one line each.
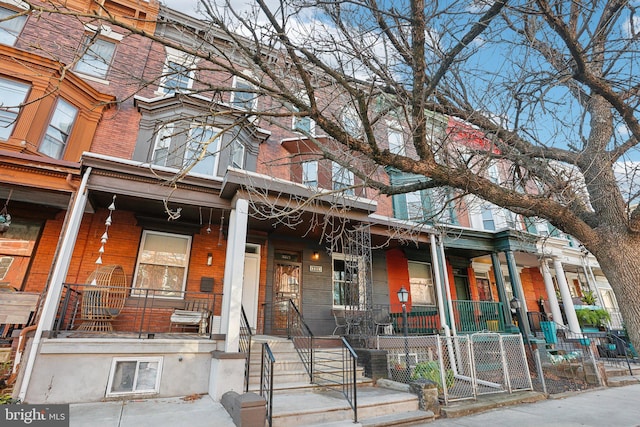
(397,277)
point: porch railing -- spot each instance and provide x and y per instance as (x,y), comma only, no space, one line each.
(420,321)
(300,334)
(476,316)
(143,313)
(266,379)
(244,345)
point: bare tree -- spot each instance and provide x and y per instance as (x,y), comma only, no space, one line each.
(550,87)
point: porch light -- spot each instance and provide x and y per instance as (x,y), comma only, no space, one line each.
(515,303)
(209,258)
(315,256)
(403,295)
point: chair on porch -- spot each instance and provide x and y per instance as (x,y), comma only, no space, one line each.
(196,313)
(103,298)
(383,322)
(341,322)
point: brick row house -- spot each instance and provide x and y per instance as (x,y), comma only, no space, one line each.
(124,167)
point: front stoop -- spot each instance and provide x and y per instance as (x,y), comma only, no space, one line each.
(619,377)
(487,402)
(325,407)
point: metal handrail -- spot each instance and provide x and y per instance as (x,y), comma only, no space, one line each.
(349,386)
(300,334)
(244,345)
(266,379)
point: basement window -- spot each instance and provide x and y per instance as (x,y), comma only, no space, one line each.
(134,376)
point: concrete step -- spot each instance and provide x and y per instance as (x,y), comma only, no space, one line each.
(620,381)
(396,420)
(325,405)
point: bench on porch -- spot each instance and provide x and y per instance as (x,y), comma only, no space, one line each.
(197,313)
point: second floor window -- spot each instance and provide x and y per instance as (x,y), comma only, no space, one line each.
(202,150)
(310,173)
(396,141)
(244,97)
(237,155)
(11,28)
(342,179)
(488,223)
(97,55)
(177,77)
(59,129)
(12,95)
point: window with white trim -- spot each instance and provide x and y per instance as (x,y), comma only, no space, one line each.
(10,28)
(237,154)
(303,124)
(395,137)
(162,147)
(342,178)
(60,126)
(176,77)
(134,375)
(488,223)
(12,95)
(310,173)
(162,264)
(202,150)
(415,209)
(244,97)
(97,55)
(347,283)
(351,122)
(421,283)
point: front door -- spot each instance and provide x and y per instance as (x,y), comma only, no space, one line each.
(286,286)
(250,284)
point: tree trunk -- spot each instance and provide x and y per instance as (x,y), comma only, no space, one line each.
(619,258)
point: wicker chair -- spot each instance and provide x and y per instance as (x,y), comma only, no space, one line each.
(103,301)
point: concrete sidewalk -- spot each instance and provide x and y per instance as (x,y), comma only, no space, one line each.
(169,412)
(617,406)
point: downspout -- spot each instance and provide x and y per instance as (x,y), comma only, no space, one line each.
(22,343)
(50,306)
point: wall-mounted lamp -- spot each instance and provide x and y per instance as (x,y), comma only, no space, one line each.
(209,258)
(315,256)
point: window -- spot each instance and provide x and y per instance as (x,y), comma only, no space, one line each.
(202,150)
(97,54)
(415,209)
(11,28)
(245,98)
(12,95)
(310,173)
(59,129)
(177,77)
(303,124)
(396,140)
(134,375)
(5,264)
(237,154)
(487,218)
(421,283)
(346,281)
(162,148)
(342,179)
(351,122)
(162,263)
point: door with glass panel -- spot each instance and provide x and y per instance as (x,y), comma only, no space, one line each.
(286,286)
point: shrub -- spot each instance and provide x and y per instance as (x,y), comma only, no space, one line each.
(431,371)
(594,317)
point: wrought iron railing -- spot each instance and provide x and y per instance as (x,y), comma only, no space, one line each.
(300,334)
(266,379)
(141,312)
(244,345)
(420,321)
(476,316)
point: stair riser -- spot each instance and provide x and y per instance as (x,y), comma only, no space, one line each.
(298,420)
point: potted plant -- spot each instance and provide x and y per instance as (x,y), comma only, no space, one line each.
(592,317)
(400,373)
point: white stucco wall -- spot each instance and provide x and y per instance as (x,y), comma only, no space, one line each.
(77,369)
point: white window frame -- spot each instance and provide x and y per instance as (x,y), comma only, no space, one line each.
(10,113)
(134,391)
(242,105)
(213,148)
(414,205)
(237,153)
(162,141)
(9,31)
(485,211)
(296,120)
(159,293)
(53,130)
(169,73)
(351,122)
(310,173)
(342,178)
(395,137)
(85,64)
(361,285)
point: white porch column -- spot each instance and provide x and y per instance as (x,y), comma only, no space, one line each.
(233,275)
(551,292)
(447,286)
(439,290)
(567,302)
(60,269)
